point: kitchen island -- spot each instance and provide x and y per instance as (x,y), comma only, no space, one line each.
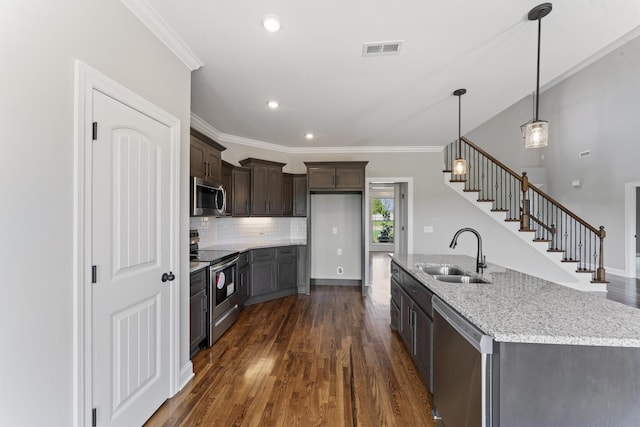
(559,357)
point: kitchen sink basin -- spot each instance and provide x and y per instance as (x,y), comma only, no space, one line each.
(442,270)
(459,279)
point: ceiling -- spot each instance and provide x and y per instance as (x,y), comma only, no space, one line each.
(315,69)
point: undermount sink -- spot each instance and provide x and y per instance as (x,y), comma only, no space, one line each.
(442,270)
(459,279)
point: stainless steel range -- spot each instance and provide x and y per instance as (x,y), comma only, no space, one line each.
(222,296)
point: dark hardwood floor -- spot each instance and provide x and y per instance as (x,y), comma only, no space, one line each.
(325,359)
(625,290)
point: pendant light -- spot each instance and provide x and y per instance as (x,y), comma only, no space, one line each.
(460,164)
(536,132)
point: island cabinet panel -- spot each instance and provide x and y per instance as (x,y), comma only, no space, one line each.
(415,313)
(422,328)
(340,176)
(205,157)
(406,329)
(241,183)
(266,186)
(300,195)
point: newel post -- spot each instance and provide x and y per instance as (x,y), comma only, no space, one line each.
(524,214)
(600,273)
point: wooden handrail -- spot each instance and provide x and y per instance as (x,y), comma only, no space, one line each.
(533,187)
(493,159)
(525,199)
(571,214)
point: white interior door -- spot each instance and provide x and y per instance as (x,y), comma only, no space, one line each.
(131,228)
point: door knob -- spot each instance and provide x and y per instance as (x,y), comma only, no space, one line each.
(168,277)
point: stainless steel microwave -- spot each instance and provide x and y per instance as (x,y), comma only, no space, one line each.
(207,199)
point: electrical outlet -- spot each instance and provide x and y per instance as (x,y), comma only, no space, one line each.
(339,251)
(340,270)
(334,230)
(428,229)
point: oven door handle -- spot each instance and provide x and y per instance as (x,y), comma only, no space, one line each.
(217,267)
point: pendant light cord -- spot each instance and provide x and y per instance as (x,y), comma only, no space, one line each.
(459,126)
(538,70)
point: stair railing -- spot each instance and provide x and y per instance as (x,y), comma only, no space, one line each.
(537,212)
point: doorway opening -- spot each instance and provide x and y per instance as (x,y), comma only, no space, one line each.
(388,222)
(632,227)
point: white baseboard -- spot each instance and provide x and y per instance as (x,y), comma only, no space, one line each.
(186,374)
(617,271)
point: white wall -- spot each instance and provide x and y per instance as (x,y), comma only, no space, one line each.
(342,212)
(596,109)
(39,41)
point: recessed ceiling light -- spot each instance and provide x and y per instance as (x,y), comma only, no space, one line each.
(271,23)
(309,135)
(273,104)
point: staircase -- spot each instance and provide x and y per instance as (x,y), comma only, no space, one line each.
(539,220)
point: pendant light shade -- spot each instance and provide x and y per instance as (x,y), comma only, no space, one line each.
(459,164)
(536,132)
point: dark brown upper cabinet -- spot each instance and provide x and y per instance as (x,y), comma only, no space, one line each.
(343,176)
(240,205)
(300,195)
(287,194)
(205,158)
(266,186)
(227,184)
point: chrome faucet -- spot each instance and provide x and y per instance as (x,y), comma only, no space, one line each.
(480,259)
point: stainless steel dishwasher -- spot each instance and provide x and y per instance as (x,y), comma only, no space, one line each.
(462,363)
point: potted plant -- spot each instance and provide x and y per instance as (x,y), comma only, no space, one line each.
(386,234)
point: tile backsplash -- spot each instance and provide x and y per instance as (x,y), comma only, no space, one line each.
(215,231)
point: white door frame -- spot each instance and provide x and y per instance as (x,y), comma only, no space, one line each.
(87,80)
(365,218)
(630,228)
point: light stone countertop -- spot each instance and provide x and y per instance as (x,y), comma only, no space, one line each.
(195,266)
(245,246)
(517,307)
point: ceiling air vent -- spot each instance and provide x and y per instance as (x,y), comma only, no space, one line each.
(381,48)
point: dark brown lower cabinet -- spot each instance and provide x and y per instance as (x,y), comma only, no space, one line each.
(243,284)
(262,278)
(286,277)
(273,273)
(198,309)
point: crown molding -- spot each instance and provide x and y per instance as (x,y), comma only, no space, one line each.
(142,10)
(202,126)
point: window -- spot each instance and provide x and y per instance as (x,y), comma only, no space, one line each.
(382,220)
